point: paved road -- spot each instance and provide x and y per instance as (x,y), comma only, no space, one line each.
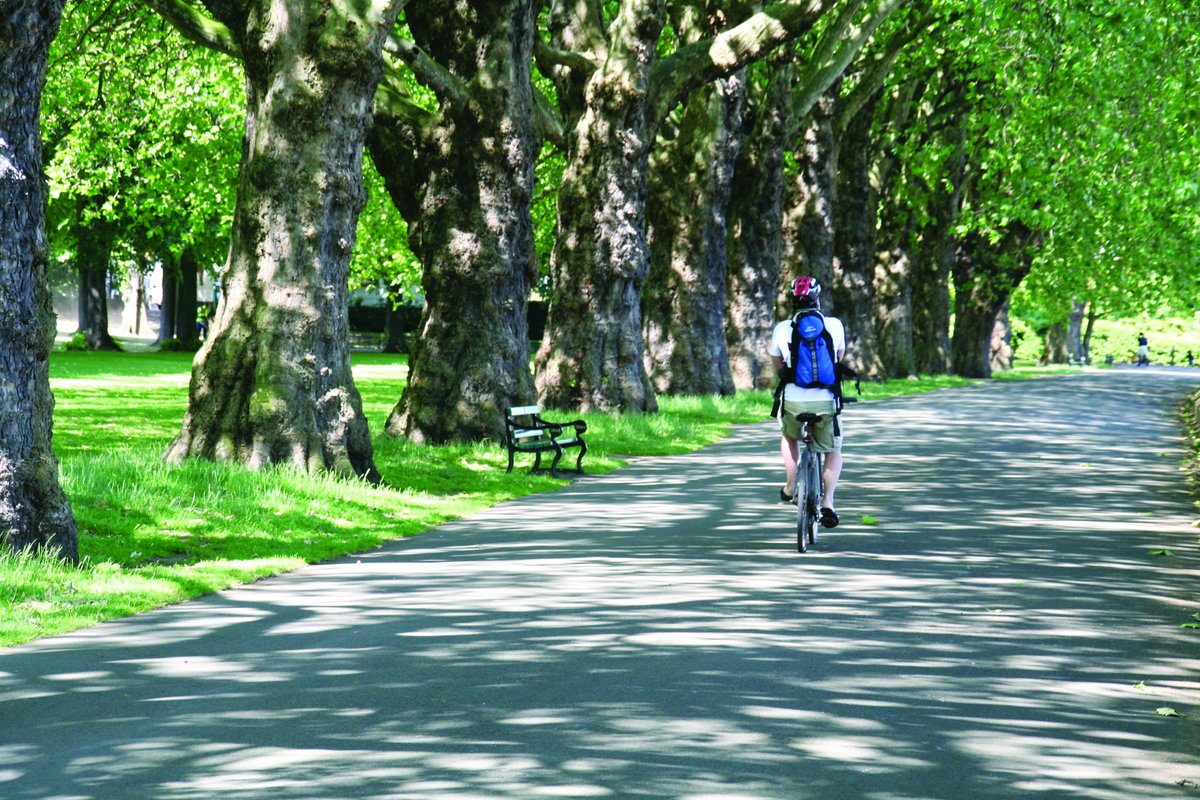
(654,634)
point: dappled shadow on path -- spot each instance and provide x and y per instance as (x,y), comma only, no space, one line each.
(1004,631)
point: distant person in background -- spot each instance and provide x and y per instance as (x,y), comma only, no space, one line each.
(1143,351)
(1191,359)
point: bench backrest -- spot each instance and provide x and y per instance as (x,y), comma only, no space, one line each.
(518,421)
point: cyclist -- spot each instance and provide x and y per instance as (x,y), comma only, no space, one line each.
(806,298)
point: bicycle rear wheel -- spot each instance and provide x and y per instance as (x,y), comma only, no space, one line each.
(807,501)
(815,490)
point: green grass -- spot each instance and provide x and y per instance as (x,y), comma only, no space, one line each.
(152,534)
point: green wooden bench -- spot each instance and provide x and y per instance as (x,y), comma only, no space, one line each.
(527,432)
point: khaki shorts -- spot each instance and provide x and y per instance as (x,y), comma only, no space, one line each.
(823,431)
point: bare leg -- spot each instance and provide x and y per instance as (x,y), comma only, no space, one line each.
(790,450)
(830,474)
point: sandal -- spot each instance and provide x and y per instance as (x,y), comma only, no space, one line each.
(829,518)
(784,497)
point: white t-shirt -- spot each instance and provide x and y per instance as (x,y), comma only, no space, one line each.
(781,345)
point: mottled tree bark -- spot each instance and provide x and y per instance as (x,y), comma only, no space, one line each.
(1000,353)
(933,265)
(893,313)
(809,205)
(755,232)
(93,253)
(272,383)
(34,511)
(691,176)
(683,303)
(473,230)
(591,354)
(985,275)
(855,245)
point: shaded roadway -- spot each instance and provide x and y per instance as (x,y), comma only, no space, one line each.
(1003,631)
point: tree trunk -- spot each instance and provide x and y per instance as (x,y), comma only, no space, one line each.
(1056,347)
(185,298)
(1075,330)
(474,232)
(131,297)
(855,246)
(34,511)
(393,326)
(169,301)
(272,383)
(931,270)
(1088,330)
(985,276)
(755,233)
(1000,353)
(893,317)
(591,357)
(809,203)
(684,300)
(93,252)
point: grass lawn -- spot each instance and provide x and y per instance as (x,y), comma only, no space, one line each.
(151,534)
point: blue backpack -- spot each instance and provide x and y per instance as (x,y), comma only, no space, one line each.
(812,352)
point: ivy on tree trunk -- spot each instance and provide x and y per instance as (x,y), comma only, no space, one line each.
(34,511)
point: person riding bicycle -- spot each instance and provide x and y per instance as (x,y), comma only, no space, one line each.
(806,299)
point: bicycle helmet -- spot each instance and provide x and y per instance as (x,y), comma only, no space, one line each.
(806,292)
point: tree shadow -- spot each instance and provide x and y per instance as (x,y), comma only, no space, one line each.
(1003,632)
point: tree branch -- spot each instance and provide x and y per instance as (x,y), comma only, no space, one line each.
(197,26)
(837,54)
(444,84)
(675,77)
(547,58)
(873,78)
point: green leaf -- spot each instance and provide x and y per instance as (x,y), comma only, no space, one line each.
(867,519)
(1161,553)
(1141,686)
(1190,625)
(1167,711)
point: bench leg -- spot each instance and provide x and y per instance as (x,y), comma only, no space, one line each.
(554,464)
(582,453)
(511,452)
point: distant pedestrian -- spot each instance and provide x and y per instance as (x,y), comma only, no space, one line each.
(1143,358)
(1191,359)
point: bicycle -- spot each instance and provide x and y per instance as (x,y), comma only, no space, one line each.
(810,483)
(810,487)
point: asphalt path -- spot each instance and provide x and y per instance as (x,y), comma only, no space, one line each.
(1004,629)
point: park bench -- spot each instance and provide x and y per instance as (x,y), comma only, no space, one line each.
(525,431)
(1073,361)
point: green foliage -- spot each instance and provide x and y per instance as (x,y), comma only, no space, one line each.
(143,131)
(381,253)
